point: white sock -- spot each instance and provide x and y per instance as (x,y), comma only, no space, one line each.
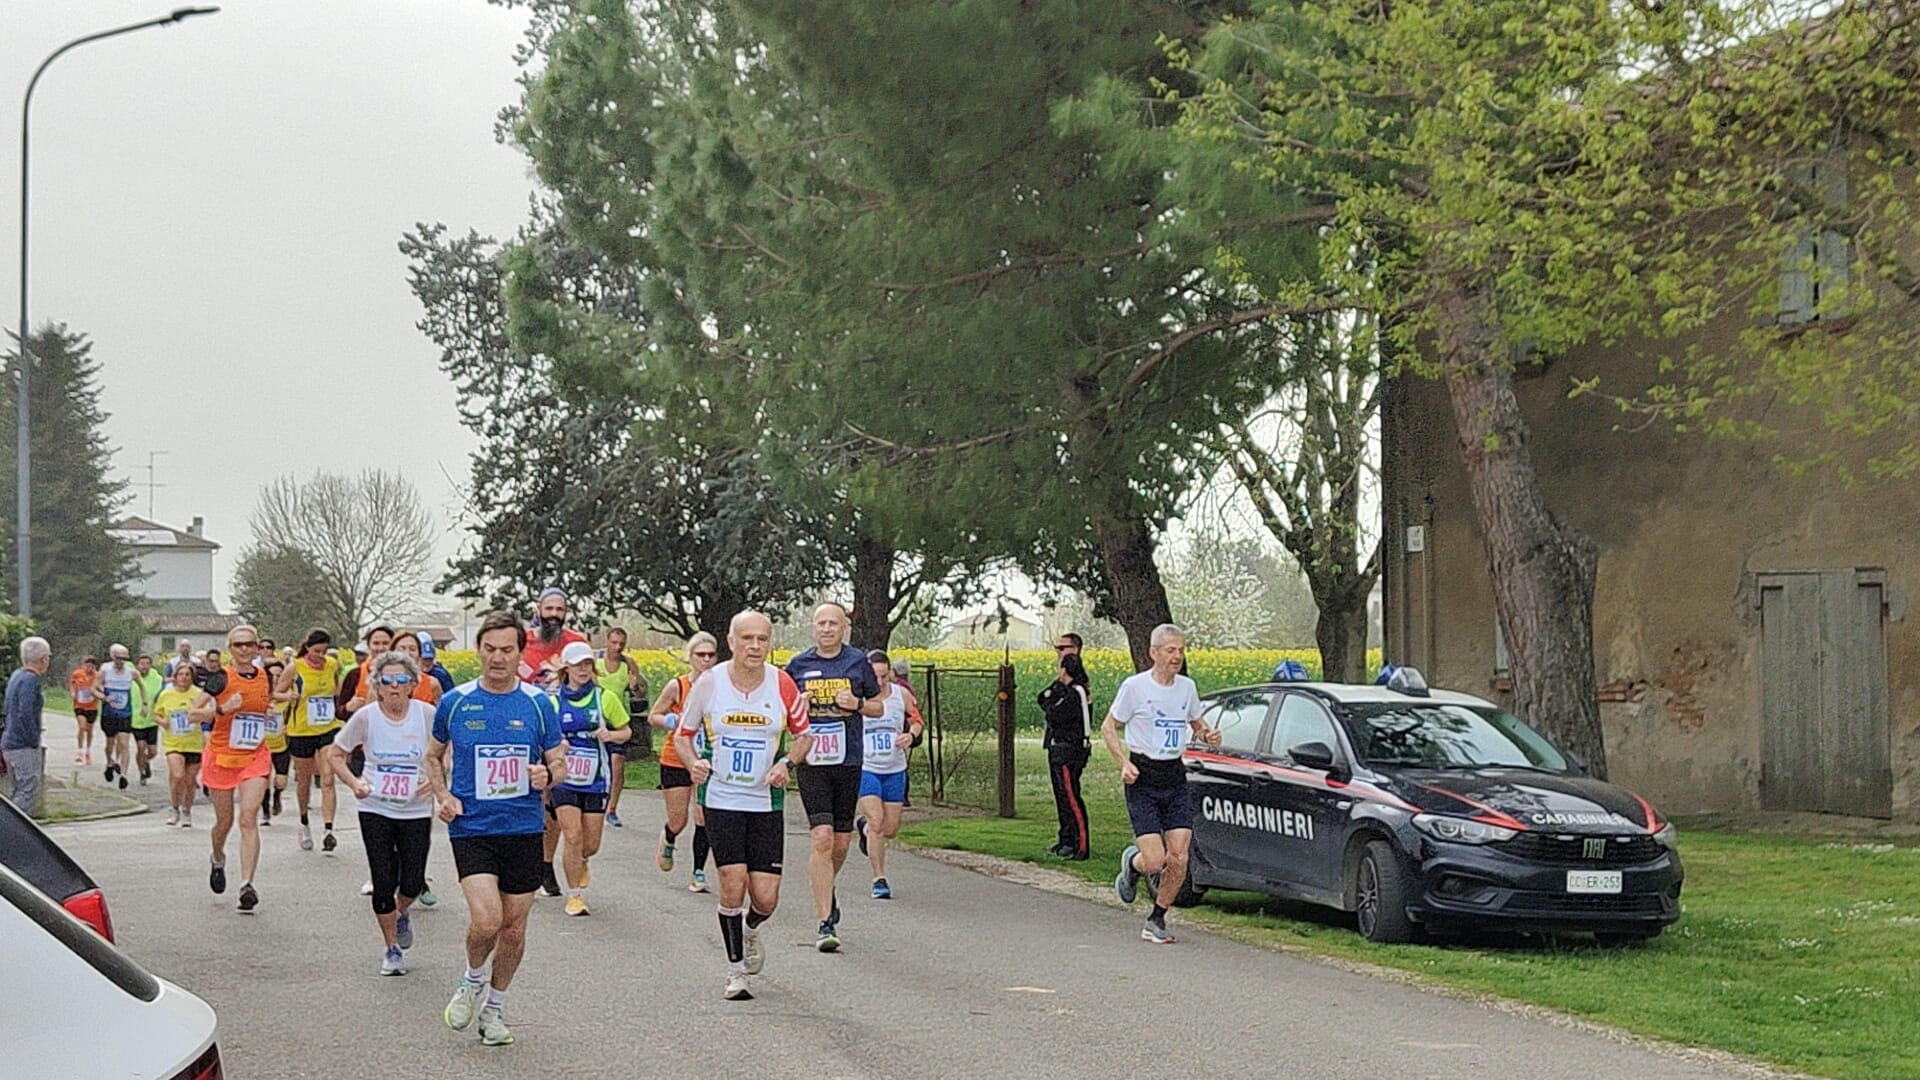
(476,975)
(496,999)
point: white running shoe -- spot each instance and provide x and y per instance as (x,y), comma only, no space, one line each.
(393,963)
(306,838)
(366,887)
(737,987)
(493,1028)
(173,817)
(755,953)
(459,1012)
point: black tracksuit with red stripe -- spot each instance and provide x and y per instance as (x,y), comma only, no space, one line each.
(1067,748)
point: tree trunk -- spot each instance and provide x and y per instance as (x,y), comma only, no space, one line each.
(717,609)
(1139,597)
(872,592)
(1341,634)
(1542,571)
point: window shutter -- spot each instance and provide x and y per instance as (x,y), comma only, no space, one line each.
(1796,281)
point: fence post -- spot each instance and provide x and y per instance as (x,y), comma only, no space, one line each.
(1005,728)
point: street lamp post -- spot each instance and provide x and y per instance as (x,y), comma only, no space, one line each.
(23,461)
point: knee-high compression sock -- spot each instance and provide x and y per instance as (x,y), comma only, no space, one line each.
(700,847)
(733,934)
(755,917)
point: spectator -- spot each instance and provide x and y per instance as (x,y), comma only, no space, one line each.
(20,737)
(1069,738)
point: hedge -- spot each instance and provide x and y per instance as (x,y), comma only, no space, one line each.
(1211,669)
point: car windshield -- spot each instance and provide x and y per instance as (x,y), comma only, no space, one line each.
(1447,736)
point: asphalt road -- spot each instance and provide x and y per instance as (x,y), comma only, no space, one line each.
(961,975)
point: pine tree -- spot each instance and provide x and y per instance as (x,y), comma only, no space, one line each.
(80,572)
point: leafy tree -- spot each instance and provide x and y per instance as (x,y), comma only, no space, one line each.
(80,572)
(283,593)
(368,536)
(1506,179)
(1233,592)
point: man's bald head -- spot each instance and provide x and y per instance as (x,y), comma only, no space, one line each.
(829,628)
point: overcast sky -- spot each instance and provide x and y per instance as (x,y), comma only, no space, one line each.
(217,204)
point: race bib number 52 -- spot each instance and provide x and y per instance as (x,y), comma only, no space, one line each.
(500,772)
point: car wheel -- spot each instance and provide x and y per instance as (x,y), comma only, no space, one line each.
(1380,896)
(1620,939)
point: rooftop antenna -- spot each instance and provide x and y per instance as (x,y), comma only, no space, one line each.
(151,482)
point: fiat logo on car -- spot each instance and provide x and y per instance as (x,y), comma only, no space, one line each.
(1595,847)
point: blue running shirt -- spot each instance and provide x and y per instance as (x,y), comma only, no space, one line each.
(495,738)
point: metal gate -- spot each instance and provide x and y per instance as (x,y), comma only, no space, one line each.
(1824,741)
(968,760)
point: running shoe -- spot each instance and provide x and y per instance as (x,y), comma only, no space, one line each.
(493,1029)
(217,879)
(663,854)
(550,884)
(328,843)
(186,819)
(860,826)
(248,898)
(754,953)
(173,817)
(737,987)
(266,819)
(459,1011)
(577,905)
(427,899)
(882,890)
(392,963)
(834,916)
(366,887)
(306,837)
(828,941)
(613,819)
(107,773)
(123,781)
(699,882)
(146,774)
(1156,932)
(403,930)
(1127,885)
(79,758)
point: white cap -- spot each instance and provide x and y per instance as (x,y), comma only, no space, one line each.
(575,652)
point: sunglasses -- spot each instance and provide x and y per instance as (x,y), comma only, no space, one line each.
(706,655)
(1061,648)
(243,644)
(395,680)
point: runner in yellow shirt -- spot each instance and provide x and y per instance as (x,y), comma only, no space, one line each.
(314,677)
(181,709)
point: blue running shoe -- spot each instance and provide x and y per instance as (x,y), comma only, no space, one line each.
(1156,932)
(882,890)
(403,930)
(828,941)
(1127,885)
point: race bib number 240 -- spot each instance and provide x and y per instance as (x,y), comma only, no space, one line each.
(500,772)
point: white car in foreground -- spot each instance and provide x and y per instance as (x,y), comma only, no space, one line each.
(77,1008)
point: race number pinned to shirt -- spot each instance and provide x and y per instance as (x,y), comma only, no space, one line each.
(744,760)
(583,764)
(395,783)
(118,700)
(179,722)
(829,743)
(500,772)
(275,724)
(248,731)
(1171,731)
(880,742)
(320,710)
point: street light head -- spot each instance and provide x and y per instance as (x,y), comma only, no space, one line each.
(190,12)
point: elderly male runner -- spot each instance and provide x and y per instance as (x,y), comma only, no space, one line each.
(496,743)
(841,692)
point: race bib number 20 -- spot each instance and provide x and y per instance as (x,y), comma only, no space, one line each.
(500,772)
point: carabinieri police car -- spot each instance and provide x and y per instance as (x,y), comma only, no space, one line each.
(1416,808)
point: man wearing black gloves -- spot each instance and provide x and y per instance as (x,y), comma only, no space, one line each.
(1067,703)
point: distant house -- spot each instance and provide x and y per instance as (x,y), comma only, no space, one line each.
(173,597)
(983,630)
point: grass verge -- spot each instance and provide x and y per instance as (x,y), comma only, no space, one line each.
(1803,951)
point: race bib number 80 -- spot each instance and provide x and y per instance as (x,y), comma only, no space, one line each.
(500,772)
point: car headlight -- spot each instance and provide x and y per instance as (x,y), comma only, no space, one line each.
(1457,830)
(1668,837)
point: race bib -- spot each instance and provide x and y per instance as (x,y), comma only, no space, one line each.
(118,699)
(178,722)
(248,731)
(319,710)
(395,783)
(500,772)
(743,762)
(829,743)
(275,725)
(583,764)
(880,743)
(1170,732)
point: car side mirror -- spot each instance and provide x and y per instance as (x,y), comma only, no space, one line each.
(1313,755)
(1578,760)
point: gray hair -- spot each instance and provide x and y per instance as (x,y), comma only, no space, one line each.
(733,625)
(396,658)
(34,649)
(699,639)
(1164,631)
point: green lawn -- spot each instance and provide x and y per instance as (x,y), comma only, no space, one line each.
(1802,951)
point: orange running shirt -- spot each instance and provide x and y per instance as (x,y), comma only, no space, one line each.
(256,693)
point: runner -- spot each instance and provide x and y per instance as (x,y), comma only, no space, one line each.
(883,769)
(276,739)
(183,657)
(594,722)
(396,805)
(314,679)
(619,675)
(86,707)
(115,691)
(676,782)
(548,635)
(1156,708)
(501,742)
(236,759)
(184,708)
(434,669)
(147,685)
(744,709)
(841,692)
(426,690)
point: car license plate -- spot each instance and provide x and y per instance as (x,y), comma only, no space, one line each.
(1593,881)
